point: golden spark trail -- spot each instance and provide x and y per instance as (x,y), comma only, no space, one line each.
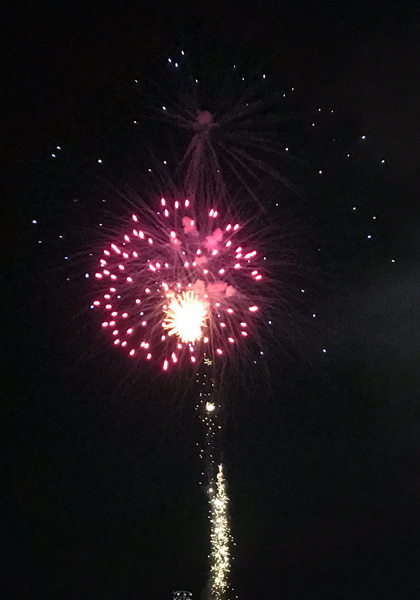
(220,539)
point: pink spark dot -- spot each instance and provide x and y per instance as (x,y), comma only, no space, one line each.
(219,351)
(125,255)
(96,303)
(107,296)
(135,218)
(193,359)
(166,213)
(116,342)
(163,201)
(103,262)
(146,345)
(111,323)
(112,289)
(152,268)
(114,314)
(211,213)
(186,203)
(107,252)
(230,310)
(231,340)
(121,267)
(165,365)
(115,248)
(105,324)
(198,252)
(217,304)
(135,232)
(214,253)
(106,272)
(150,241)
(250,254)
(237,266)
(173,234)
(124,315)
(144,323)
(108,306)
(135,254)
(253,308)
(115,332)
(157,265)
(228,227)
(254,272)
(98,275)
(192,223)
(163,337)
(138,301)
(127,239)
(147,290)
(194,264)
(221,271)
(179,346)
(243,324)
(238,249)
(142,344)
(236,227)
(174,357)
(149,356)
(244,333)
(130,330)
(132,352)
(124,343)
(205,271)
(141,235)
(215,214)
(176,204)
(229,243)
(186,264)
(222,324)
(205,340)
(258,277)
(113,277)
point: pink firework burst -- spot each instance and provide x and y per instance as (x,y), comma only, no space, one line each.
(179,286)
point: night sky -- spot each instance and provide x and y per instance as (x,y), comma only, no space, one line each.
(100,465)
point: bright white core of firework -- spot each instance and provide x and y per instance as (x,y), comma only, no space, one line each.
(185,317)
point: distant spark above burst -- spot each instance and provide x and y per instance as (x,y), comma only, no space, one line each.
(182,285)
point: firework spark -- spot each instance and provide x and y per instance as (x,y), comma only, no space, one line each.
(182,284)
(220,539)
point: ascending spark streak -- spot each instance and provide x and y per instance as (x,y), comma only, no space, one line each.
(220,538)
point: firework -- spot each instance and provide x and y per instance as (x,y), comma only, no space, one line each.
(220,538)
(180,285)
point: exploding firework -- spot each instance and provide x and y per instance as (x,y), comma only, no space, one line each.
(180,285)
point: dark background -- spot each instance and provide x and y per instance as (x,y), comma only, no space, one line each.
(100,495)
